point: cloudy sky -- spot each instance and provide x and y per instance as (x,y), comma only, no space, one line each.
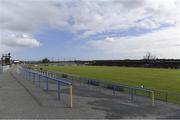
(90,29)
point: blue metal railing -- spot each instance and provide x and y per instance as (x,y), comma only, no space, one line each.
(32,74)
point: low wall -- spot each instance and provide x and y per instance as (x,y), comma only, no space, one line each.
(4,68)
(1,68)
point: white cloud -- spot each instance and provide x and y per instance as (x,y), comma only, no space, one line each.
(19,41)
(107,15)
(29,15)
(10,41)
(164,44)
(90,17)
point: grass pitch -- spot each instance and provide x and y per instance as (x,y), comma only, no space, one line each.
(159,79)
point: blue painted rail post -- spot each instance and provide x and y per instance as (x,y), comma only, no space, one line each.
(114,88)
(26,75)
(89,87)
(58,90)
(47,84)
(29,76)
(39,80)
(132,94)
(34,78)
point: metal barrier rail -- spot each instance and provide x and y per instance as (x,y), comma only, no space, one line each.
(48,73)
(32,73)
(121,88)
(113,87)
(151,93)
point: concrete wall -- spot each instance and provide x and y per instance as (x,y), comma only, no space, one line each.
(4,68)
(1,68)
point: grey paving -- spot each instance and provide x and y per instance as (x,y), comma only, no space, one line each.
(20,98)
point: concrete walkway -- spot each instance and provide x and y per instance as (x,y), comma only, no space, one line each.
(19,98)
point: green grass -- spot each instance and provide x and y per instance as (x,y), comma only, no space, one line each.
(159,79)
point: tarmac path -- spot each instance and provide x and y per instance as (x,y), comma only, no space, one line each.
(20,98)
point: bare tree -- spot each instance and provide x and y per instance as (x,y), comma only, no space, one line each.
(149,56)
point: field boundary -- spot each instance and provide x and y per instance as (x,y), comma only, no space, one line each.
(153,94)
